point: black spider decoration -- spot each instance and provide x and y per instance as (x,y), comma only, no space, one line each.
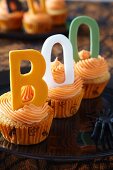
(103,129)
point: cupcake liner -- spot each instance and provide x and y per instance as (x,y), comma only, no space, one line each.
(27,134)
(37,27)
(59,19)
(93,90)
(66,107)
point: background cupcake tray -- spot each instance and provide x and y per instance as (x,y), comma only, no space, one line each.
(21,40)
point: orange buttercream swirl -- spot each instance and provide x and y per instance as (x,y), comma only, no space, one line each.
(27,93)
(57,69)
(90,68)
(29,113)
(65,91)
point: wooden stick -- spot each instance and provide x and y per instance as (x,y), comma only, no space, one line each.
(43,6)
(31,6)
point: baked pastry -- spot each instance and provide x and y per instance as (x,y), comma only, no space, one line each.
(37,23)
(37,20)
(9,21)
(64,100)
(57,10)
(94,73)
(27,125)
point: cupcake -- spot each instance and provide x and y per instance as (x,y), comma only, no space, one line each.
(57,10)
(27,125)
(37,20)
(9,21)
(64,100)
(94,73)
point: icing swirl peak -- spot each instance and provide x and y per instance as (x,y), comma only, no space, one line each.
(84,54)
(57,69)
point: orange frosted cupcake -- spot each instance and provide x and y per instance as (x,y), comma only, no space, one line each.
(94,73)
(65,100)
(9,21)
(37,23)
(57,10)
(37,20)
(27,125)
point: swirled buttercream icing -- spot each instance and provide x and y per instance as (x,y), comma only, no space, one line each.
(90,68)
(27,93)
(66,91)
(28,114)
(57,69)
(56,6)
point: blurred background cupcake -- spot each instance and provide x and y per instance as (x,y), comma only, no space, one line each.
(10,16)
(36,20)
(57,9)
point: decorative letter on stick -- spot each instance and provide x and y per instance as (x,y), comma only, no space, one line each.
(94,35)
(33,78)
